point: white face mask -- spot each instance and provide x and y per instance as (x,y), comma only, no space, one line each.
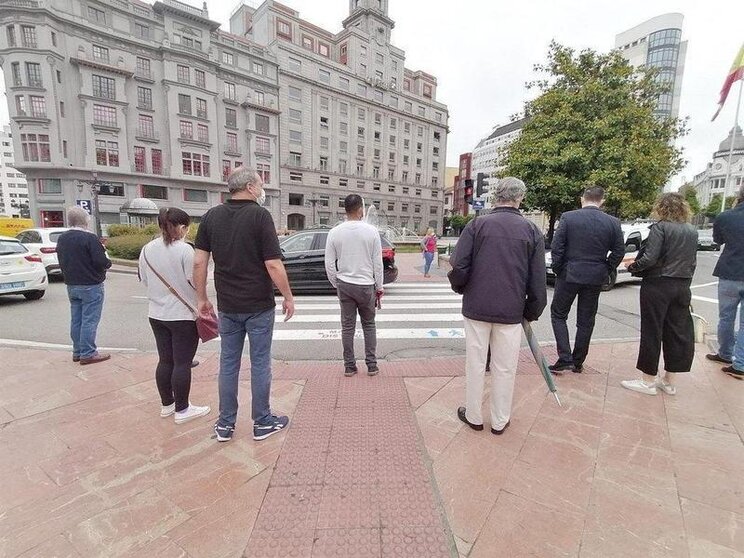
(261,199)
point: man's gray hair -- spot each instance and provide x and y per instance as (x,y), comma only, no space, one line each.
(77,217)
(241,178)
(508,190)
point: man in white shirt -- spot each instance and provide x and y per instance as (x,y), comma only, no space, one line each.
(353,262)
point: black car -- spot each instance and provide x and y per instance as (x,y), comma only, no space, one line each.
(304,259)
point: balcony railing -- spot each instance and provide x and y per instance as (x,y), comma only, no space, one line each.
(186,8)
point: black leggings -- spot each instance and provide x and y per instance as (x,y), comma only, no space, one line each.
(177,343)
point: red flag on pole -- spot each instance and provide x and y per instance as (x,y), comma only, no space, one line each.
(736,73)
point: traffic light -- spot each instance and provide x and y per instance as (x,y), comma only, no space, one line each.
(480,185)
(468,190)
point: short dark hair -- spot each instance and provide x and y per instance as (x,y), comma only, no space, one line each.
(169,220)
(593,194)
(353,202)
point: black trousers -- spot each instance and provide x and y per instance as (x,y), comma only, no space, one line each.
(586,313)
(666,324)
(177,343)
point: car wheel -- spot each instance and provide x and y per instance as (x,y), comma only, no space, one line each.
(34,295)
(611,280)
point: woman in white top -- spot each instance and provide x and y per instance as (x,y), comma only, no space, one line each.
(166,262)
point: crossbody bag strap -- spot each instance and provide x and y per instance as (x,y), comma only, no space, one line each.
(173,291)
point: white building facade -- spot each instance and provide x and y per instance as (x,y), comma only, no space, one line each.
(13,188)
(489,156)
(712,180)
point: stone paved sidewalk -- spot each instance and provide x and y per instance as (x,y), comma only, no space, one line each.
(369,466)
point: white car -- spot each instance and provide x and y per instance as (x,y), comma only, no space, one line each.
(21,271)
(43,243)
(634,236)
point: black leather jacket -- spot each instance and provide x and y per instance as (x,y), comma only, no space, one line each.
(670,251)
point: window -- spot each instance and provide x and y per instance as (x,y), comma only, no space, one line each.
(100,53)
(264,171)
(202,131)
(228,58)
(407,127)
(361,90)
(363,51)
(360,132)
(295,115)
(145,125)
(200,78)
(376,171)
(107,153)
(263,145)
(324,163)
(295,159)
(258,68)
(230,91)
(434,184)
(295,65)
(308,43)
(343,182)
(418,192)
(96,15)
(391,157)
(262,123)
(421,111)
(295,136)
(433,210)
(59,76)
(427,90)
(232,142)
(201,107)
(141,31)
(231,118)
(49,185)
(195,164)
(406,159)
(417,209)
(343,146)
(226,169)
(407,84)
(142,67)
(361,184)
(11,35)
(391,206)
(379,58)
(16,73)
(64,149)
(324,122)
(378,136)
(28,36)
(437,136)
(404,178)
(343,83)
(186,129)
(323,50)
(104,116)
(418,178)
(33,74)
(38,107)
(184,104)
(156,158)
(283,29)
(197,196)
(324,103)
(324,76)
(392,141)
(344,128)
(343,109)
(140,163)
(420,131)
(342,169)
(361,114)
(295,177)
(183,74)
(295,93)
(154,192)
(344,54)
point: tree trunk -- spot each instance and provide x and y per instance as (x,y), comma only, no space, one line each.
(551,225)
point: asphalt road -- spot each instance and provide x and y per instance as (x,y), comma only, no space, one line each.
(416,320)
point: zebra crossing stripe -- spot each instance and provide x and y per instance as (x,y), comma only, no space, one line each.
(335,318)
(423,298)
(335,334)
(385,307)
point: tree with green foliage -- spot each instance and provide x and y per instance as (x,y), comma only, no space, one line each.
(458,222)
(594,124)
(690,194)
(713,208)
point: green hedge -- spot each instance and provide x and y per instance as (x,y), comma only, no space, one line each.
(132,230)
(127,246)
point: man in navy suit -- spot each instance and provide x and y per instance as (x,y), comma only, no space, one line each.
(587,246)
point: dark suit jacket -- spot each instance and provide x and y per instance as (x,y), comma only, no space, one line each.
(728,230)
(581,245)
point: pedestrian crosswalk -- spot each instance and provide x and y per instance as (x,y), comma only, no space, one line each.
(409,311)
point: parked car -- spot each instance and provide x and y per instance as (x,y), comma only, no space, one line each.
(43,242)
(304,259)
(634,236)
(706,242)
(21,271)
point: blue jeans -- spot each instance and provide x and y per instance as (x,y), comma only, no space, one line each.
(233,329)
(428,259)
(730,299)
(86,304)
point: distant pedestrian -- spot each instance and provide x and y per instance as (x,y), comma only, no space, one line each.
(587,247)
(728,230)
(499,267)
(83,261)
(429,249)
(353,262)
(166,267)
(666,263)
(241,238)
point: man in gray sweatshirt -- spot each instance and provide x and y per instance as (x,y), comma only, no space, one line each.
(353,262)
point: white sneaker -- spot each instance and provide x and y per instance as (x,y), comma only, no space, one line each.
(167,411)
(640,386)
(666,387)
(191,413)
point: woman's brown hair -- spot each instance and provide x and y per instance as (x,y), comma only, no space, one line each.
(672,207)
(169,220)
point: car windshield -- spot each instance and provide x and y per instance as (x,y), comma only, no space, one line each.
(8,247)
(53,237)
(705,234)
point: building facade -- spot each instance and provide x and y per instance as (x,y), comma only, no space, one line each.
(489,156)
(13,189)
(139,100)
(712,180)
(465,173)
(658,43)
(353,117)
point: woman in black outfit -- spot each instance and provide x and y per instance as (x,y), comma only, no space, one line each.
(667,264)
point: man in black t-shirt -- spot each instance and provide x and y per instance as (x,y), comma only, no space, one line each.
(241,238)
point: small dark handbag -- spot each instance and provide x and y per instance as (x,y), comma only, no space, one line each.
(645,272)
(207,325)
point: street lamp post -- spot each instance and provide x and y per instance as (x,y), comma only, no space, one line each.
(94,185)
(314,201)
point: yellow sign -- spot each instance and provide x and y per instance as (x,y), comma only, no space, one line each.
(11,227)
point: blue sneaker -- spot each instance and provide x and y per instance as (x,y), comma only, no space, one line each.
(275,424)
(224,433)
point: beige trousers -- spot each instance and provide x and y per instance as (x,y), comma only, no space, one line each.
(505,340)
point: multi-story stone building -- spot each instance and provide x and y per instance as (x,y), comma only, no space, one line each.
(151,101)
(459,206)
(712,181)
(489,155)
(353,117)
(13,189)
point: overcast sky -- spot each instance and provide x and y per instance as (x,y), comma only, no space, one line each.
(483,51)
